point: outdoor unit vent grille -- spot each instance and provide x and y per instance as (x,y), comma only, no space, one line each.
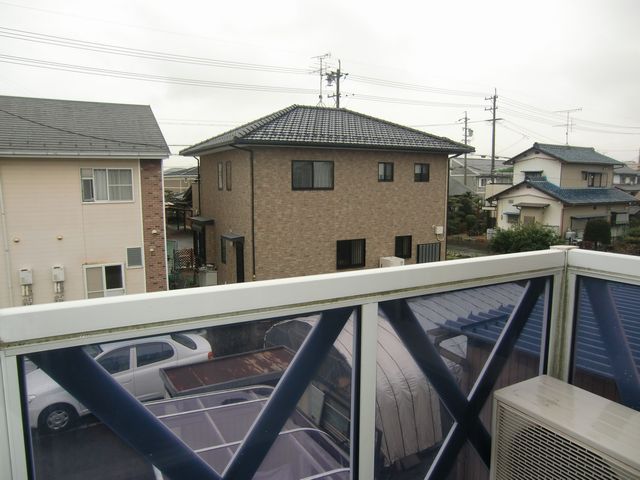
(527,450)
(547,429)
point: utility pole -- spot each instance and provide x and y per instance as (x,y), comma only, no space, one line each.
(335,76)
(467,134)
(321,59)
(493,109)
(569,124)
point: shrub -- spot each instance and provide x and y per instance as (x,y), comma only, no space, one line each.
(524,238)
(598,230)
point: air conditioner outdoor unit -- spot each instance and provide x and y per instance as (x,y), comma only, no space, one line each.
(391,261)
(546,428)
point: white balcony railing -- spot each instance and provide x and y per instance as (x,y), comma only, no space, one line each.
(52,327)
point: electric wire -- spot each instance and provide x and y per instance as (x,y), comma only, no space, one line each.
(64,130)
(139,53)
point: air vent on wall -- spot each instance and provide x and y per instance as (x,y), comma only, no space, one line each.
(545,428)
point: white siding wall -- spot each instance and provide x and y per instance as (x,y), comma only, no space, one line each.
(43,201)
(551,215)
(550,167)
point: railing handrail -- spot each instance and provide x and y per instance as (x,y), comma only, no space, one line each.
(48,326)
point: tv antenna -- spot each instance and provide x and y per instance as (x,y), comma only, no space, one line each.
(321,72)
(569,123)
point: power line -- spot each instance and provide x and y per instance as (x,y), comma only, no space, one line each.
(415,87)
(148,77)
(139,53)
(64,130)
(406,101)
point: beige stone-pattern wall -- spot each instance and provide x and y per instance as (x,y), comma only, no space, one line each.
(230,209)
(152,200)
(47,224)
(572,175)
(297,231)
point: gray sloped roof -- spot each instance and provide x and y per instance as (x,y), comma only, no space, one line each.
(576,196)
(48,127)
(299,125)
(571,154)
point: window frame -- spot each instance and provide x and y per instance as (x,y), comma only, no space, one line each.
(423,176)
(220,175)
(105,290)
(346,263)
(590,178)
(312,163)
(92,182)
(386,175)
(403,247)
(228,175)
(130,265)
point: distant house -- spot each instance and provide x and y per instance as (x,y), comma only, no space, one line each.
(563,187)
(82,201)
(476,174)
(178,180)
(312,190)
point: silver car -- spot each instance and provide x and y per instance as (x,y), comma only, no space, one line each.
(135,364)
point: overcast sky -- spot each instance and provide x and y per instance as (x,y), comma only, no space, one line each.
(419,63)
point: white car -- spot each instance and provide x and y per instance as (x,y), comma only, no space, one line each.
(135,364)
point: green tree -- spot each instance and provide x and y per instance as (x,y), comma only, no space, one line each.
(597,230)
(466,215)
(524,238)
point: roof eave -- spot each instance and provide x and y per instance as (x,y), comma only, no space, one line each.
(335,145)
(81,154)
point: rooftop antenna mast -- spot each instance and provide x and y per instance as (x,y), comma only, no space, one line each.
(569,123)
(335,76)
(321,59)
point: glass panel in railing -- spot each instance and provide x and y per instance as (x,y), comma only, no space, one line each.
(207,388)
(606,359)
(440,357)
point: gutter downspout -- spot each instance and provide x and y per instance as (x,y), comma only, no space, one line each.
(5,244)
(199,188)
(253,209)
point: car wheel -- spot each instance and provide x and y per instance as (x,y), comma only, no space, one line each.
(57,418)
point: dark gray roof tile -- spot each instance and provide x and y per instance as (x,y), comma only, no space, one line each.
(37,126)
(328,127)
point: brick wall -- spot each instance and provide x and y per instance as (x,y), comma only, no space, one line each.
(152,198)
(296,231)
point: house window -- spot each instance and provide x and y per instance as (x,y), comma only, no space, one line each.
(534,175)
(220,175)
(593,179)
(104,280)
(513,218)
(482,182)
(229,176)
(134,257)
(311,175)
(350,253)
(106,184)
(223,250)
(385,172)
(403,246)
(421,172)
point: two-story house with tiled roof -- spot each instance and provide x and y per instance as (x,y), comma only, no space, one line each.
(310,190)
(563,187)
(81,200)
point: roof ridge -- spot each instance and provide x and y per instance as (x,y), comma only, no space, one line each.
(86,102)
(264,119)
